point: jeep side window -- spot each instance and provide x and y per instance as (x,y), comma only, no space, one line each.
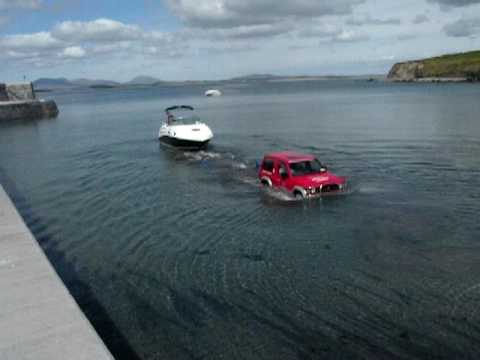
(268,165)
(282,170)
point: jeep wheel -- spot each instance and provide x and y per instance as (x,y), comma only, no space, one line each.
(266,183)
(298,195)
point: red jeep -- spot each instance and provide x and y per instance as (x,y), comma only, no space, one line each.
(301,175)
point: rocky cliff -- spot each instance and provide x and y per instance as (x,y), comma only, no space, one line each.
(454,67)
(406,71)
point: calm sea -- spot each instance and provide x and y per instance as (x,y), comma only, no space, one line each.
(176,255)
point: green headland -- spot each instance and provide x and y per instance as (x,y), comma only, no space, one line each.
(451,67)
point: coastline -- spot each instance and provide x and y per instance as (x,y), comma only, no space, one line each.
(433,80)
(459,67)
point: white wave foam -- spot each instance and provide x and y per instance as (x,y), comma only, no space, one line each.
(240,165)
(202,155)
(280,195)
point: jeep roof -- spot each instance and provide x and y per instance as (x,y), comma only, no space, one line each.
(289,156)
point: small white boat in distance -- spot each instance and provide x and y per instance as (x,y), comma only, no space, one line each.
(213,92)
(184,131)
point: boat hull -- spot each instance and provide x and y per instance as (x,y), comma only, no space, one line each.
(184,144)
(185,136)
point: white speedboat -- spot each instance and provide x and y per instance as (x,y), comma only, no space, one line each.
(213,93)
(183,129)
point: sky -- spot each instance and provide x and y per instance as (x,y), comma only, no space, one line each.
(219,39)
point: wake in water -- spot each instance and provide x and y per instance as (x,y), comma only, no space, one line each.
(374,188)
(232,169)
(203,155)
(227,165)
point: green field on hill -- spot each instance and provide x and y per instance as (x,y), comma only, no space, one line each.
(454,65)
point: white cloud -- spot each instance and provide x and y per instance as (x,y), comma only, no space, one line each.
(21,55)
(350,36)
(322,30)
(100,30)
(40,40)
(22,4)
(233,13)
(406,36)
(111,48)
(75,40)
(331,32)
(300,8)
(152,50)
(456,3)
(257,19)
(370,20)
(74,52)
(420,19)
(464,27)
(251,31)
(228,49)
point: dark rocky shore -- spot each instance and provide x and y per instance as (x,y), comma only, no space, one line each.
(18,102)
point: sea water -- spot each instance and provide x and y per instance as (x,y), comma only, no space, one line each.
(180,255)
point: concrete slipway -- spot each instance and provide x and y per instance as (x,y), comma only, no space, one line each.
(39,319)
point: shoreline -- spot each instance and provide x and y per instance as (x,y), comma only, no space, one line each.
(434,80)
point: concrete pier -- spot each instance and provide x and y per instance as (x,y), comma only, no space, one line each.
(39,319)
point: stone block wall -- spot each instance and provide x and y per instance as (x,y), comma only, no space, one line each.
(17,102)
(28,110)
(3,92)
(20,92)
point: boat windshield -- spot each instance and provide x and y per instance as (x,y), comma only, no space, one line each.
(182,118)
(301,168)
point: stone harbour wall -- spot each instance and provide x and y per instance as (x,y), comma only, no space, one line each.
(20,92)
(18,102)
(28,110)
(3,93)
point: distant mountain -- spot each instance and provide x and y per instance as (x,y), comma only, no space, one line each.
(143,80)
(47,83)
(255,77)
(53,83)
(89,82)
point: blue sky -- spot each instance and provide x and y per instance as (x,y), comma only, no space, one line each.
(151,14)
(214,39)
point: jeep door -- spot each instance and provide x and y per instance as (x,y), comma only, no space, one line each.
(280,175)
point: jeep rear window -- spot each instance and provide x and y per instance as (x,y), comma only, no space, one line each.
(306,167)
(268,165)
